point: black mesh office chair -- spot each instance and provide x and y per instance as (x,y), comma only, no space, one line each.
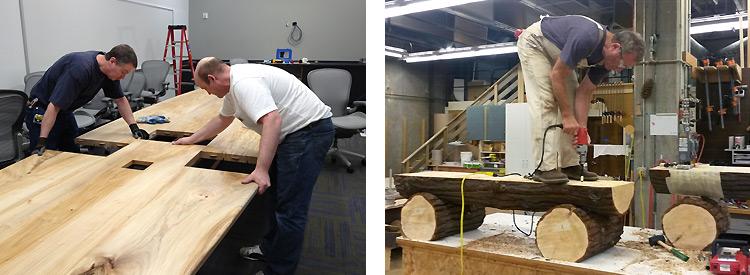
(12,104)
(155,72)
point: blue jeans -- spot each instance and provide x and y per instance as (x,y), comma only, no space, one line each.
(61,137)
(298,161)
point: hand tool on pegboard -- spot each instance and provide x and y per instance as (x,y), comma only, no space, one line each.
(722,111)
(709,107)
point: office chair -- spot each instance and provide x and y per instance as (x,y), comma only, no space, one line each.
(134,90)
(234,61)
(30,80)
(12,103)
(332,87)
(155,72)
(83,116)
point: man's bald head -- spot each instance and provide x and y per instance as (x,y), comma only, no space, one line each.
(212,75)
(208,66)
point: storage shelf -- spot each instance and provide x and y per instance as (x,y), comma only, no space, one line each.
(738,211)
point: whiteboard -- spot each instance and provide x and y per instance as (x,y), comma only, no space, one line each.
(55,28)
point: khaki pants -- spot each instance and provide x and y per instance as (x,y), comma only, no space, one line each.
(538,55)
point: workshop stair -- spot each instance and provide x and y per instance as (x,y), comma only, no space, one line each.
(504,90)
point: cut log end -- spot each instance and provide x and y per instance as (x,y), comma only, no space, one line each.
(418,219)
(622,196)
(694,223)
(568,233)
(425,218)
(562,235)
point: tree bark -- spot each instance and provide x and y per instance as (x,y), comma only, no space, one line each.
(694,223)
(569,233)
(732,179)
(518,193)
(425,218)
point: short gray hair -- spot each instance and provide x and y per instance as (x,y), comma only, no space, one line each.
(631,42)
(206,66)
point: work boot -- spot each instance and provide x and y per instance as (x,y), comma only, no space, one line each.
(550,177)
(574,173)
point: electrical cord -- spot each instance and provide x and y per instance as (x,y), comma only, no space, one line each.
(541,158)
(531,227)
(293,39)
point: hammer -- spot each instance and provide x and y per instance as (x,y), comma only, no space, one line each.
(659,239)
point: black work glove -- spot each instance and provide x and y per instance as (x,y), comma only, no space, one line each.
(138,132)
(41,146)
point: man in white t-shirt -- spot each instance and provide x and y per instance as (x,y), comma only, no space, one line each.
(296,133)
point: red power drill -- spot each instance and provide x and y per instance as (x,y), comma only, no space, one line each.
(582,148)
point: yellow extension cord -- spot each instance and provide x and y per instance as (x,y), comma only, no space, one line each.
(461,223)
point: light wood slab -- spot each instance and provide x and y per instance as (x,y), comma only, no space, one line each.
(187,113)
(76,213)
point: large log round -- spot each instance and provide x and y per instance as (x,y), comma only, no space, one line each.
(517,193)
(693,223)
(568,233)
(425,218)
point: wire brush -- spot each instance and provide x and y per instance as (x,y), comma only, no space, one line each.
(648,87)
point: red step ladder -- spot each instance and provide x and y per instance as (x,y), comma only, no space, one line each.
(176,61)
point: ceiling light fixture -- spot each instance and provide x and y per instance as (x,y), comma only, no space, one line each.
(717,23)
(397,8)
(456,53)
(395,52)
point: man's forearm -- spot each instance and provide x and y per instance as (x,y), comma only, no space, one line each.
(123,106)
(212,128)
(583,101)
(48,121)
(269,140)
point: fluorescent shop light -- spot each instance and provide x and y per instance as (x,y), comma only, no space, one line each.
(396,8)
(456,53)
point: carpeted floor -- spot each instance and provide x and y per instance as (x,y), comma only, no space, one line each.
(335,234)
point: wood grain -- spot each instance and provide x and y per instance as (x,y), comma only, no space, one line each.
(518,193)
(694,223)
(76,213)
(425,217)
(570,234)
(187,113)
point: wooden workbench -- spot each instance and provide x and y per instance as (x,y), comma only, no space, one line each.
(68,213)
(187,113)
(498,248)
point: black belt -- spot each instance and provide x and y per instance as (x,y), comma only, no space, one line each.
(315,123)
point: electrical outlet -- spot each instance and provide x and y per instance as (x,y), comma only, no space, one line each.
(205,15)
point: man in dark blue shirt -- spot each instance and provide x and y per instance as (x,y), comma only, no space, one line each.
(549,51)
(71,82)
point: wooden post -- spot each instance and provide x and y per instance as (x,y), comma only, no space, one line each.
(742,51)
(522,87)
(404,139)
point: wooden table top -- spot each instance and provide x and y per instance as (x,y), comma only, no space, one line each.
(187,113)
(66,213)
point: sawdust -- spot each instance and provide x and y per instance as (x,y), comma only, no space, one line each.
(661,260)
(506,243)
(643,234)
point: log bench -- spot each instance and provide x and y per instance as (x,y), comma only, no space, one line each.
(582,219)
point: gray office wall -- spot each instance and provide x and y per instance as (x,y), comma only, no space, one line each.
(54,28)
(332,29)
